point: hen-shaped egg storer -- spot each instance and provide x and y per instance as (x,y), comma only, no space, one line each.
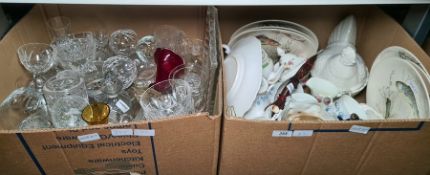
(340,63)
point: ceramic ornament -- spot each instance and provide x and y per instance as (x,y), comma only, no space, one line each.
(340,63)
(321,88)
(302,103)
(287,64)
(260,109)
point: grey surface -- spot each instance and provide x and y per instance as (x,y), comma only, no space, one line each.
(4,23)
(417,22)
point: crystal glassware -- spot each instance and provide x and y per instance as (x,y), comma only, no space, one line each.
(37,58)
(36,120)
(198,79)
(170,37)
(58,26)
(96,113)
(102,45)
(195,52)
(165,99)
(123,42)
(66,97)
(119,73)
(145,64)
(94,81)
(75,51)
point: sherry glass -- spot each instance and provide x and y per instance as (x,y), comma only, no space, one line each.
(37,58)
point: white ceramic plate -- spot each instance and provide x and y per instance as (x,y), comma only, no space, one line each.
(290,40)
(243,74)
(396,90)
(400,53)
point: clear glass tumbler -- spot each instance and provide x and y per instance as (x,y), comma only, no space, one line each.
(58,26)
(76,51)
(66,96)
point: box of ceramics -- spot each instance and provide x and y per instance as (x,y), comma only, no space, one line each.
(322,90)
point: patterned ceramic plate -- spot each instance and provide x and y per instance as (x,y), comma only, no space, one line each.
(397,90)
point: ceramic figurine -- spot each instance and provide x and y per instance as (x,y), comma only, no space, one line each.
(286,63)
(349,106)
(371,114)
(302,103)
(267,64)
(340,63)
(321,88)
(260,109)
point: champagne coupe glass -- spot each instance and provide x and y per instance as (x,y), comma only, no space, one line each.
(37,58)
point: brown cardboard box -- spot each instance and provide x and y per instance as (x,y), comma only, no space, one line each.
(390,147)
(184,145)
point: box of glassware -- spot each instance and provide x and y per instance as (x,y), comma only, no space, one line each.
(296,113)
(41,129)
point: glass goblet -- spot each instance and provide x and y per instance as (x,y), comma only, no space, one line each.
(168,98)
(37,58)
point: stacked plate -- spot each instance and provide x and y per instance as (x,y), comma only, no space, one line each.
(243,67)
(290,36)
(399,85)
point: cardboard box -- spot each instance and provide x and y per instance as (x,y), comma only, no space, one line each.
(184,145)
(266,147)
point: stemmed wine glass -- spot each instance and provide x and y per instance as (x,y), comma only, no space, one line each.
(37,58)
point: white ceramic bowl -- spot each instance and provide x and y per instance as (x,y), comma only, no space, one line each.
(302,41)
(243,74)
